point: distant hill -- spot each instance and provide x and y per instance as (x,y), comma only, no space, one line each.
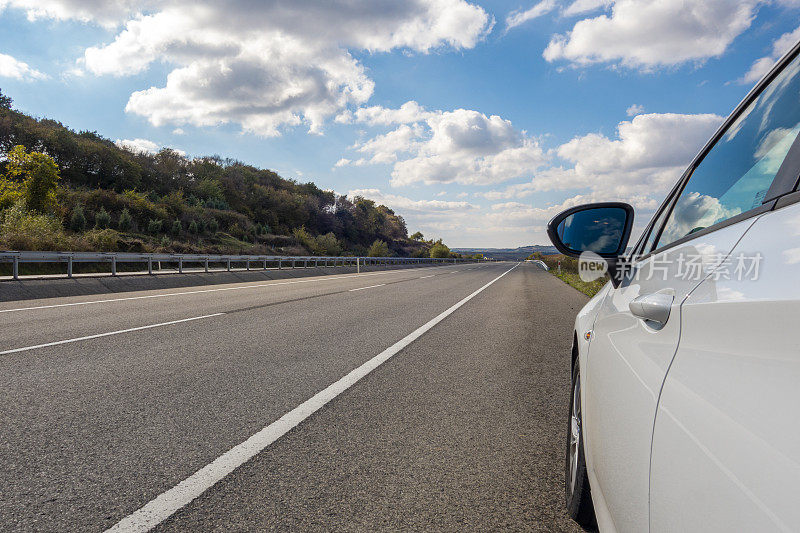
(508,253)
(113,198)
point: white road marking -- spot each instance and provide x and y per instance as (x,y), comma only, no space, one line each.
(77,339)
(454,272)
(201,291)
(167,503)
(370,287)
(423,277)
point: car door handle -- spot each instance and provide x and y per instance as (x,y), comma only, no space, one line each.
(652,307)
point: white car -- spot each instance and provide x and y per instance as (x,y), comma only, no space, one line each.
(686,366)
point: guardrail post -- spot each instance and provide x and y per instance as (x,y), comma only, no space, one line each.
(265,263)
(114,265)
(180,265)
(292,263)
(358,265)
(205,263)
(150,265)
(16,268)
(229,265)
(69,267)
(280,263)
(247,263)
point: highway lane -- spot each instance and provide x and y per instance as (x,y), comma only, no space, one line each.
(31,323)
(93,430)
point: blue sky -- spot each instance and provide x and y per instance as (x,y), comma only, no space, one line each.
(477,121)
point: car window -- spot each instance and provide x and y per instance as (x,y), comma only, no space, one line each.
(657,223)
(735,175)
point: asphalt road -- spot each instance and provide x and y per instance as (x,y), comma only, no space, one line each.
(112,403)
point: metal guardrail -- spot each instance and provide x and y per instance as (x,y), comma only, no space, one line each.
(538,262)
(260,261)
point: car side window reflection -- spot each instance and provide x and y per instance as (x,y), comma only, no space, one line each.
(735,175)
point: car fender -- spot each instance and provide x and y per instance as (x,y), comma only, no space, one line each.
(584,322)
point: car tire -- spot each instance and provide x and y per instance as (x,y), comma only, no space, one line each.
(576,482)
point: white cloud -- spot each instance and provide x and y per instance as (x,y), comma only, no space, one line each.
(143,146)
(647,157)
(262,65)
(378,115)
(761,66)
(460,146)
(11,67)
(579,7)
(519,17)
(106,12)
(138,145)
(651,33)
(634,110)
(402,203)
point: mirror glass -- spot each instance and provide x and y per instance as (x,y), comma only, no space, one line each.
(598,230)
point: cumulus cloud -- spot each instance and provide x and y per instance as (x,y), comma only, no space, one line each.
(461,146)
(142,146)
(651,33)
(262,65)
(402,203)
(519,17)
(761,66)
(11,67)
(647,156)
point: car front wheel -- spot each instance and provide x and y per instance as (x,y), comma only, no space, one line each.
(579,497)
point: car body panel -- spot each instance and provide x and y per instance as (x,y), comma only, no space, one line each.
(726,450)
(624,370)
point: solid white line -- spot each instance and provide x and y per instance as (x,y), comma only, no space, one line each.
(370,287)
(423,277)
(67,341)
(201,291)
(165,504)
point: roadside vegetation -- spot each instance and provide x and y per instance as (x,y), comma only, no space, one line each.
(78,191)
(569,272)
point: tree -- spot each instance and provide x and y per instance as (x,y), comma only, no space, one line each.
(213,226)
(193,228)
(378,249)
(177,227)
(102,219)
(154,226)
(439,250)
(38,174)
(125,222)
(77,221)
(417,236)
(328,244)
(5,101)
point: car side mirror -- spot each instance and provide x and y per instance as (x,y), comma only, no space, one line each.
(603,228)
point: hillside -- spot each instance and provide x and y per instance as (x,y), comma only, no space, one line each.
(112,199)
(509,254)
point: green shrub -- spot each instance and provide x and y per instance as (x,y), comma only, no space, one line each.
(102,219)
(328,244)
(165,241)
(213,226)
(39,175)
(77,221)
(177,227)
(378,249)
(21,229)
(154,226)
(194,229)
(125,221)
(102,240)
(439,250)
